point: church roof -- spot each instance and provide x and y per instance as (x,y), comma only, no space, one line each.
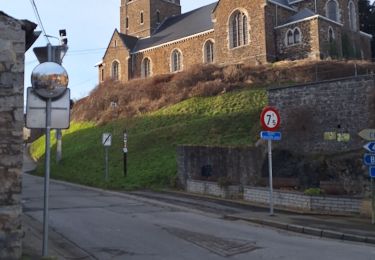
(283,2)
(178,27)
(128,40)
(303,14)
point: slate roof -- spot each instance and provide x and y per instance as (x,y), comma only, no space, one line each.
(304,13)
(283,2)
(177,27)
(128,40)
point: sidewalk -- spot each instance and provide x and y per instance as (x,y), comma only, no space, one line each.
(349,228)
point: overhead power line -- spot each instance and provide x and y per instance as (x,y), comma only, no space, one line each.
(36,12)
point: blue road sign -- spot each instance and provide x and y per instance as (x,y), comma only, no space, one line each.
(371,171)
(370,147)
(267,135)
(369,159)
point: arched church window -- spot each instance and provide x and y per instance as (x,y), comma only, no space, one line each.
(146,68)
(176,61)
(332,10)
(352,16)
(293,36)
(289,37)
(158,16)
(297,35)
(115,70)
(238,29)
(331,35)
(209,51)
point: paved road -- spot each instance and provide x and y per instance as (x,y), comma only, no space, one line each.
(108,225)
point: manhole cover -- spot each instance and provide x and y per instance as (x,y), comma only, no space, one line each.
(217,245)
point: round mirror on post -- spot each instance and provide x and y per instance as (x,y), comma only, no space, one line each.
(49,80)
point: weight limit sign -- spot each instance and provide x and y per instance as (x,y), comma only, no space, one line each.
(270,119)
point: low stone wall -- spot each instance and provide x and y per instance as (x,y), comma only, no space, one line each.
(298,201)
(213,189)
(242,165)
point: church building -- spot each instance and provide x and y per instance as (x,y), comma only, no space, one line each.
(155,38)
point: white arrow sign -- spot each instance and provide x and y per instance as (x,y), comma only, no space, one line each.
(367,134)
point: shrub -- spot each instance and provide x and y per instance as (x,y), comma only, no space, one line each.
(313,192)
(224,181)
(233,73)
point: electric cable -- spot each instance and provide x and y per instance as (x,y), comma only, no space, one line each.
(36,12)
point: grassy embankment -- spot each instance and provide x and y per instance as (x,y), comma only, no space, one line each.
(227,119)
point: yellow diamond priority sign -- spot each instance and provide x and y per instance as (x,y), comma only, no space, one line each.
(367,134)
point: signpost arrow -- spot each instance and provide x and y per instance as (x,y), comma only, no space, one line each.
(369,159)
(367,134)
(372,172)
(370,147)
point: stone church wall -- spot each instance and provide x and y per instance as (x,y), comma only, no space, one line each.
(161,57)
(116,51)
(275,16)
(256,51)
(309,46)
(12,48)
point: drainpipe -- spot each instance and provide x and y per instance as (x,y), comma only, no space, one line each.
(315,7)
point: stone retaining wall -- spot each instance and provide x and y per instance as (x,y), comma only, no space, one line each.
(298,201)
(241,165)
(341,107)
(212,188)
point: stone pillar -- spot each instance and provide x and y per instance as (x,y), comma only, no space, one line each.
(12,49)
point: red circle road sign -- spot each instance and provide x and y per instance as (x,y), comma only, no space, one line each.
(270,119)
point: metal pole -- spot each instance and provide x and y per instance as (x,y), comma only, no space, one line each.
(125,164)
(270,175)
(58,145)
(125,150)
(47,166)
(46,177)
(372,201)
(106,163)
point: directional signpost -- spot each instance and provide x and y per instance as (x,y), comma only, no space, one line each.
(369,160)
(107,142)
(270,120)
(372,171)
(370,147)
(367,134)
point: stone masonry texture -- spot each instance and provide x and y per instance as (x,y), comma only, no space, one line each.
(344,106)
(12,42)
(240,165)
(298,201)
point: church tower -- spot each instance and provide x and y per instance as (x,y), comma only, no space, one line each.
(140,18)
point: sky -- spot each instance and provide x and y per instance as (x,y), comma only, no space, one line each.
(89,25)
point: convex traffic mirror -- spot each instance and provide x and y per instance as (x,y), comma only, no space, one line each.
(49,80)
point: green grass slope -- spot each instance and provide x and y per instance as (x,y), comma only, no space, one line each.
(228,119)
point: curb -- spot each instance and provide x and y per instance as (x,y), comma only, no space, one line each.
(306,230)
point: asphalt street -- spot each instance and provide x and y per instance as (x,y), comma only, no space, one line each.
(110,225)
